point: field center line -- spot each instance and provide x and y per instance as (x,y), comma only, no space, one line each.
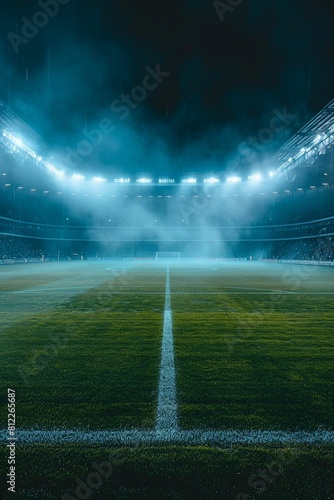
(166,419)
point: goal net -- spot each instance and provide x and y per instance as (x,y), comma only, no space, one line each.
(168,256)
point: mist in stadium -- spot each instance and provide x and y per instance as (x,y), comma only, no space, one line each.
(167,249)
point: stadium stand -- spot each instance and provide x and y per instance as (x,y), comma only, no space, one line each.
(289,216)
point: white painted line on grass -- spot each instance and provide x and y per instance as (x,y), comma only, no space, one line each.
(254,291)
(186,437)
(166,419)
(258,289)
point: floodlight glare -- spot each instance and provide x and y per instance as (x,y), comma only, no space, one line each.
(12,138)
(255,177)
(144,180)
(54,170)
(271,173)
(17,141)
(78,177)
(99,179)
(211,180)
(166,181)
(121,180)
(234,179)
(190,180)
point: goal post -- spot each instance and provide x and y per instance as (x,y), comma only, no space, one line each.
(168,256)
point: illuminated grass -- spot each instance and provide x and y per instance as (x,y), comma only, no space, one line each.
(92,363)
(250,358)
(248,362)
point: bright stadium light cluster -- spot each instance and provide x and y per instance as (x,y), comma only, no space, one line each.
(211,180)
(52,169)
(255,177)
(166,181)
(16,144)
(312,140)
(189,180)
(78,177)
(233,179)
(99,180)
(144,180)
(122,180)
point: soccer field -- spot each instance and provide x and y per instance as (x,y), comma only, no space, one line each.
(226,364)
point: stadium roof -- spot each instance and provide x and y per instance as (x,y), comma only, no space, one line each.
(19,139)
(13,124)
(311,140)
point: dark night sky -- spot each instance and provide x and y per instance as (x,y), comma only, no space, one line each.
(225,78)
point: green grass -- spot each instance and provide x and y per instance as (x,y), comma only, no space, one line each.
(93,362)
(176,472)
(254,361)
(245,359)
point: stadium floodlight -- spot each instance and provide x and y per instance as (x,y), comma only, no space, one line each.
(99,179)
(51,168)
(317,139)
(122,180)
(144,180)
(17,141)
(78,177)
(211,180)
(189,180)
(12,138)
(234,179)
(255,177)
(166,181)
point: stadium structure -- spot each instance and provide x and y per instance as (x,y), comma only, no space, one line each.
(133,327)
(49,211)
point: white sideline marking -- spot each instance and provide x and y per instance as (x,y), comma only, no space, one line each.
(229,290)
(166,419)
(186,437)
(258,289)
